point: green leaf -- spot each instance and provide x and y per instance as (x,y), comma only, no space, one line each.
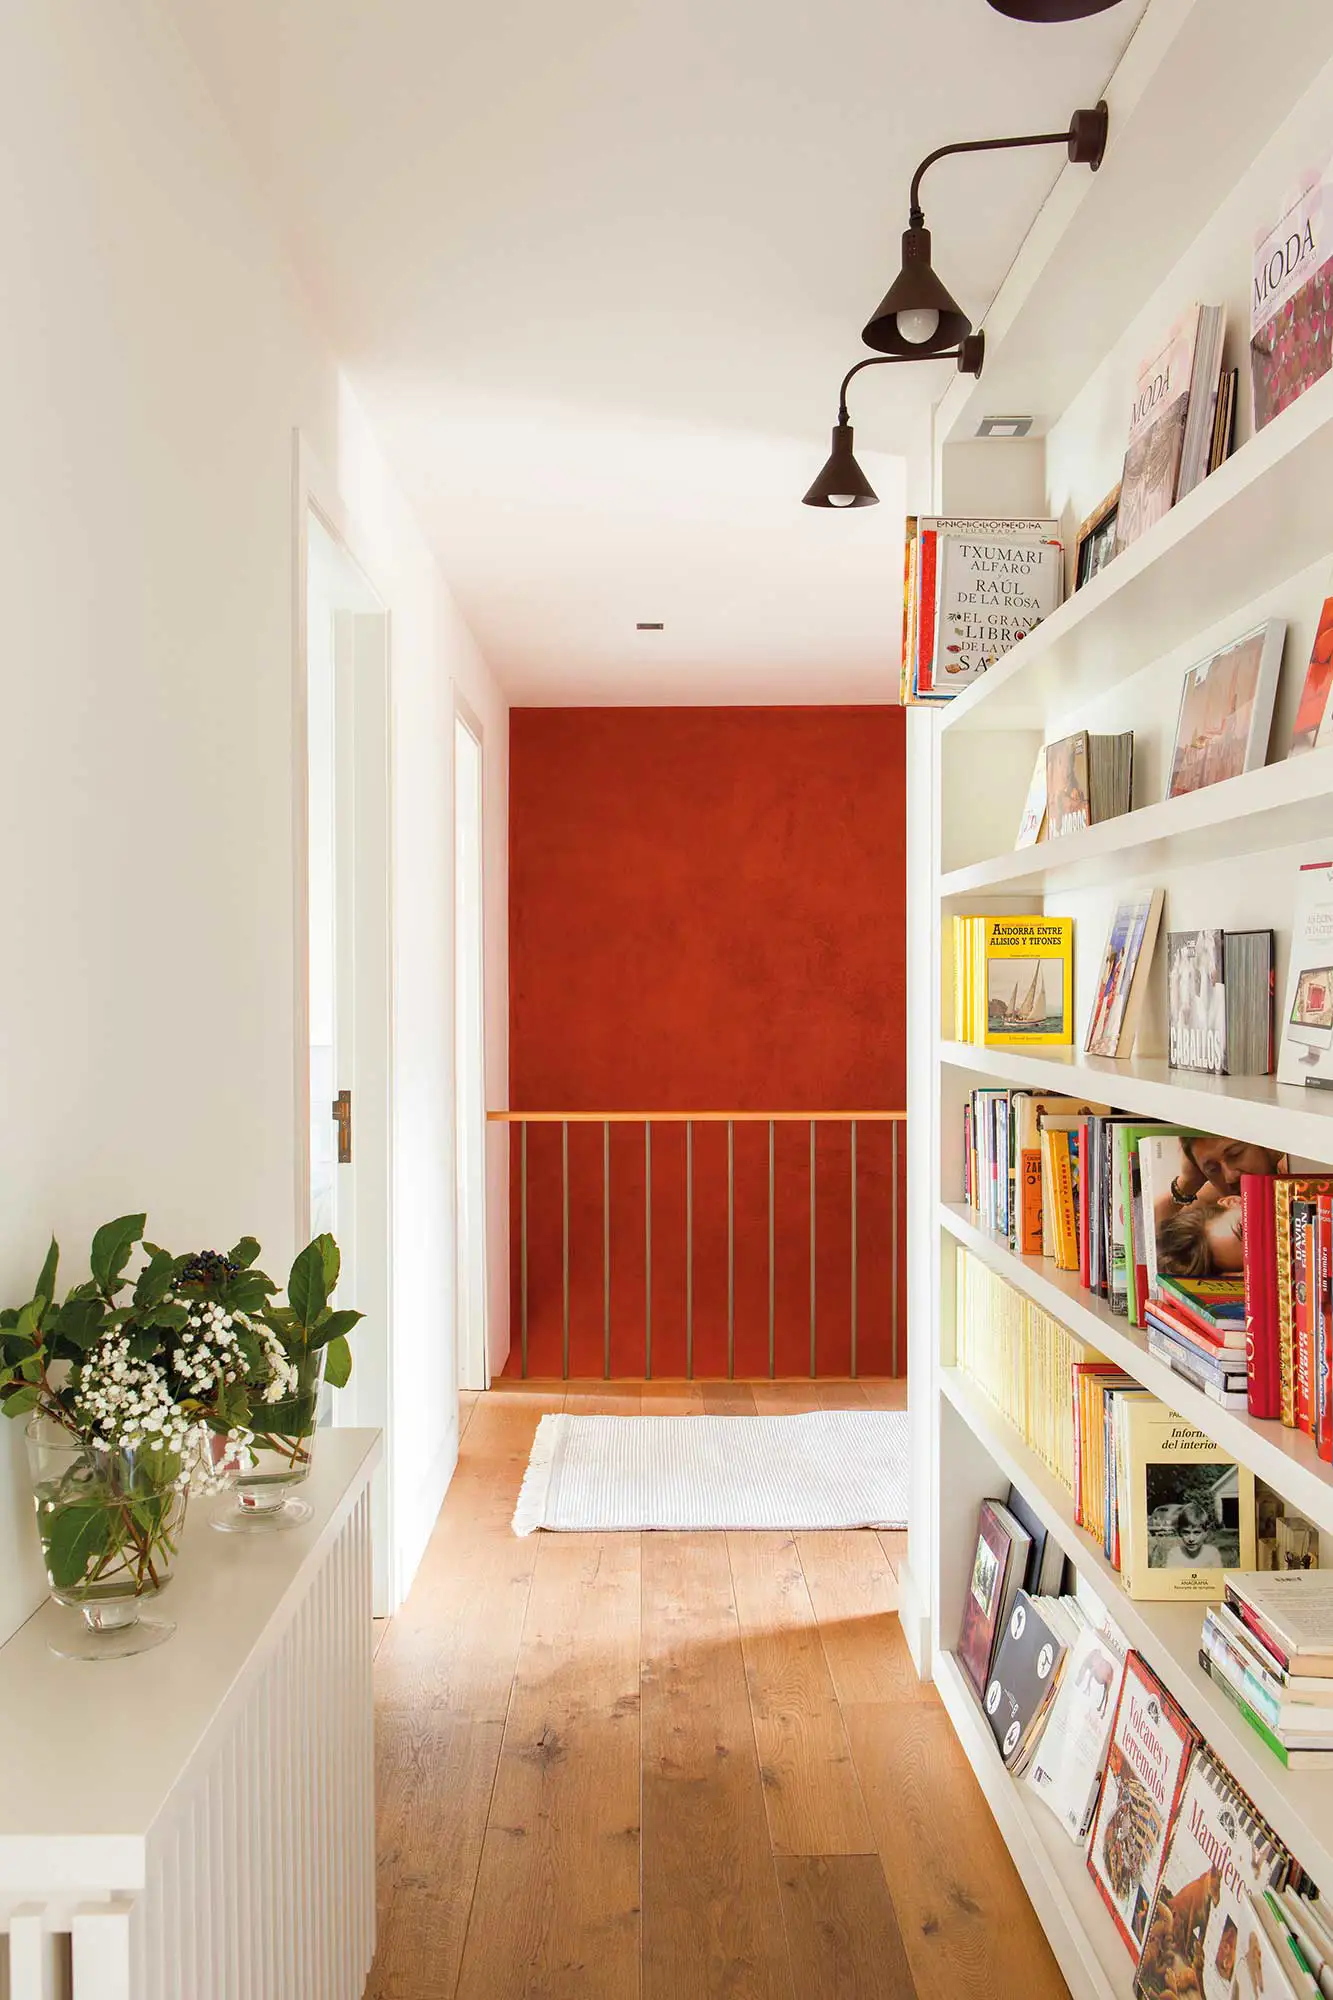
(29,1319)
(155,1279)
(172,1316)
(332,1257)
(332,1326)
(79,1321)
(337,1362)
(249,1292)
(307,1289)
(18,1402)
(75,1537)
(46,1283)
(244,1252)
(111,1249)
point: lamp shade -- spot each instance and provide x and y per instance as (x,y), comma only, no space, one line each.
(916,316)
(842,482)
(1051,10)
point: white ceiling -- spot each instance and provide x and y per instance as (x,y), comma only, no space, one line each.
(596,270)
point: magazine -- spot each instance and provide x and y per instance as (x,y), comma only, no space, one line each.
(1291,300)
(1067,1764)
(1312,728)
(1306,1052)
(1162,395)
(1032,826)
(1123,979)
(1226,710)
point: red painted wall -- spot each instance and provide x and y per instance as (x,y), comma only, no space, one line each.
(707,913)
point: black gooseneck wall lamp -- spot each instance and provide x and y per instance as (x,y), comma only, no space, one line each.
(917,317)
(842,483)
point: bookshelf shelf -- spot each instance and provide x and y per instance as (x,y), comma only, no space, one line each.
(1051,1865)
(1256,1109)
(1261,517)
(1297,1804)
(1286,1459)
(1207,142)
(1279,806)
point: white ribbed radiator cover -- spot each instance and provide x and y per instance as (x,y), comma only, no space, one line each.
(198,1823)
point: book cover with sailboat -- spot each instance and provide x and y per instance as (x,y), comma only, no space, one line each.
(1029,980)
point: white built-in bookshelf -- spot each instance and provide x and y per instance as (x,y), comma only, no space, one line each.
(1218,107)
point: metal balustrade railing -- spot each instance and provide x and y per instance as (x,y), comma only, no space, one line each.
(884,1223)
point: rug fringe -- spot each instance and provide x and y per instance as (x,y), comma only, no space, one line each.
(530,1512)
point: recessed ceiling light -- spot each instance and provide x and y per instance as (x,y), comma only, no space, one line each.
(650,625)
(1004,427)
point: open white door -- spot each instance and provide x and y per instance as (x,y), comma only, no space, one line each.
(469,1061)
(350,1007)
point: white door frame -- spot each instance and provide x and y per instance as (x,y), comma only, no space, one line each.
(471,1236)
(369,1398)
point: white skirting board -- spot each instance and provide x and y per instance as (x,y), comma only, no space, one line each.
(221,1842)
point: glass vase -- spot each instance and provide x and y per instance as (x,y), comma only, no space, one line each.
(261,1494)
(109,1522)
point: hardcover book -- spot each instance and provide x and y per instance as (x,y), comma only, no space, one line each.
(997,1576)
(1312,728)
(1226,711)
(993,590)
(1032,826)
(1203,1931)
(1306,1052)
(1220,1002)
(924,677)
(1291,302)
(1192,1197)
(1151,1746)
(1123,979)
(1088,779)
(1029,980)
(1186,1506)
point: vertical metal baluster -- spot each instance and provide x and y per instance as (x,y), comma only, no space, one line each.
(689,1249)
(731,1250)
(564,1246)
(894,1241)
(523,1237)
(853,1249)
(813,1368)
(771,1347)
(606,1249)
(647,1250)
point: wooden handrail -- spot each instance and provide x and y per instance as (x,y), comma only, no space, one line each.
(693,1117)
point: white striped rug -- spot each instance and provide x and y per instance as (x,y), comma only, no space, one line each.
(832,1469)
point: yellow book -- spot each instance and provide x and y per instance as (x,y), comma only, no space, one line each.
(1186,1507)
(1026,986)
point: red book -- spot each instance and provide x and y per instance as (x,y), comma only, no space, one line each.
(1323,1327)
(1301,1300)
(1083,1179)
(1262,1368)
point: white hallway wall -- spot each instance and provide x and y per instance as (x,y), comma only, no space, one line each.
(156,354)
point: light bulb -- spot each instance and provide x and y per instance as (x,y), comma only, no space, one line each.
(842,499)
(919,326)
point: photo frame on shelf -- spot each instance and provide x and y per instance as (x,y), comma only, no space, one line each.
(1095,544)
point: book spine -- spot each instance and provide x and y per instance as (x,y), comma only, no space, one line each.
(1029,1220)
(1227,1665)
(1302,1408)
(1066,1222)
(1323,1354)
(1084,1178)
(1256,1195)
(1282,1253)
(1251,1715)
(1252,1622)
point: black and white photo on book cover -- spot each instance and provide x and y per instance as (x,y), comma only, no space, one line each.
(1196,1001)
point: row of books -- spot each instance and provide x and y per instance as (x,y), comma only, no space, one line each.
(1222,1256)
(1223,727)
(1204,1895)
(1021,1359)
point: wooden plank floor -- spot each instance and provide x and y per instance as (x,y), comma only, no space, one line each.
(672,1767)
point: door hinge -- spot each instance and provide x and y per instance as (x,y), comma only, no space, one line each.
(342,1114)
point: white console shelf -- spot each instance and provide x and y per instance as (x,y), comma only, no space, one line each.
(1218,148)
(199,1820)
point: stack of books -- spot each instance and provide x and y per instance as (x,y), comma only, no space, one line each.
(1269,1647)
(1197,1327)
